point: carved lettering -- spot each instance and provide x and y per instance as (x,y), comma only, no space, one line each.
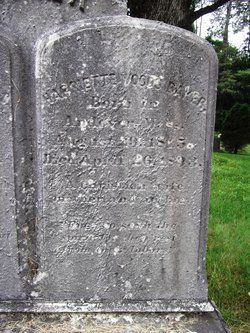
(121,156)
(186,93)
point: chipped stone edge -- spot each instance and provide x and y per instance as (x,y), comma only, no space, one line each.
(114,306)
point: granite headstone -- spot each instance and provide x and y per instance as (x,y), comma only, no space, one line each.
(124,118)
(108,160)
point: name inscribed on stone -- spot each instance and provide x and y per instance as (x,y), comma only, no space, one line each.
(121,141)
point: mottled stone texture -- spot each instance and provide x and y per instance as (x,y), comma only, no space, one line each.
(10,284)
(113,323)
(124,114)
(106,134)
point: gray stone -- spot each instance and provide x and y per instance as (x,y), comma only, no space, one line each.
(36,16)
(217,142)
(10,284)
(114,323)
(108,157)
(125,112)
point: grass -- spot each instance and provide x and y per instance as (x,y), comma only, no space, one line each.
(228,257)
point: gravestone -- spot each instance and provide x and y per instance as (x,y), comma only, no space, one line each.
(106,146)
(216,147)
(10,283)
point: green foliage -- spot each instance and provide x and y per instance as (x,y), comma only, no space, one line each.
(228,256)
(243,85)
(236,128)
(241,13)
(234,79)
(235,13)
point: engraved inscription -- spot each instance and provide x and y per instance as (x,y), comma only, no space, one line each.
(87,84)
(120,182)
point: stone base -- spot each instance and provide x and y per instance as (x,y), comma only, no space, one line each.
(128,306)
(210,322)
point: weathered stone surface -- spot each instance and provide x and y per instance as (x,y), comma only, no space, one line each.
(113,323)
(36,16)
(109,181)
(10,286)
(125,112)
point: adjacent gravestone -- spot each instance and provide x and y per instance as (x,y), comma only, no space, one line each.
(216,147)
(10,283)
(113,204)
